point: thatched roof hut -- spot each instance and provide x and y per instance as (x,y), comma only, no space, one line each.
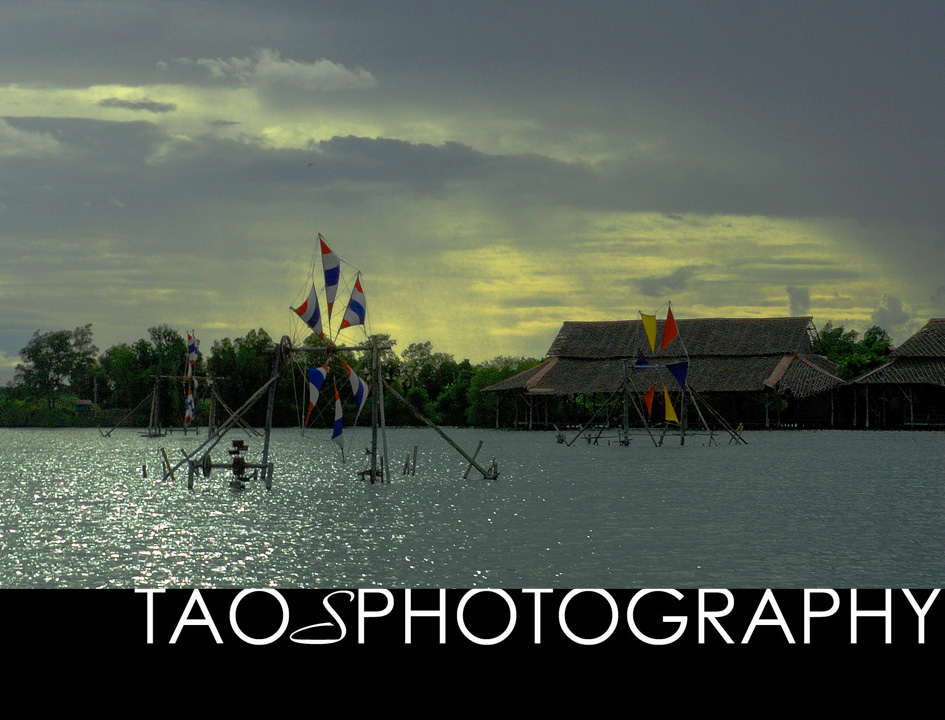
(920,360)
(909,390)
(725,355)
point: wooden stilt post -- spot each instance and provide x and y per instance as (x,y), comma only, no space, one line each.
(380,397)
(281,349)
(374,408)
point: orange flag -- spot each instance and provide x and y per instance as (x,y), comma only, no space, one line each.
(649,400)
(669,329)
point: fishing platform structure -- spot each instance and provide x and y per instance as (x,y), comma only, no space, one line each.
(199,460)
(679,369)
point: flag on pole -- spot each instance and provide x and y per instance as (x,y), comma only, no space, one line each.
(354,315)
(190,410)
(679,371)
(648,398)
(336,433)
(193,353)
(358,387)
(669,329)
(641,362)
(332,268)
(310,313)
(316,378)
(649,324)
(670,412)
(193,350)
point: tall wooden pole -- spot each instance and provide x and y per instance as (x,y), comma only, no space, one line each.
(374,409)
(270,404)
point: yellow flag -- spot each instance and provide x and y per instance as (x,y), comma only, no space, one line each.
(670,413)
(649,324)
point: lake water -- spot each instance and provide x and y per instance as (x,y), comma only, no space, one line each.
(786,510)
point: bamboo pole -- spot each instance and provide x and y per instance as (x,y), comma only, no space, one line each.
(488,475)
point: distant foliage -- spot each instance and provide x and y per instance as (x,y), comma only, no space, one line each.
(62,365)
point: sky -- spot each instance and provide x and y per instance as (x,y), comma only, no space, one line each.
(492,169)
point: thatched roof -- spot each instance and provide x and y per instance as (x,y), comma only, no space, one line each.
(920,360)
(732,337)
(724,354)
(929,342)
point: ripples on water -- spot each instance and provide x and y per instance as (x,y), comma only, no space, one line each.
(790,509)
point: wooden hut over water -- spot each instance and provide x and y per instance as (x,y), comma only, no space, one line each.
(753,371)
(909,390)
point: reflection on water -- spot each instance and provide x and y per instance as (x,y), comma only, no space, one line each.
(790,509)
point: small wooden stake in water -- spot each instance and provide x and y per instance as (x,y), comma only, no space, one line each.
(167,463)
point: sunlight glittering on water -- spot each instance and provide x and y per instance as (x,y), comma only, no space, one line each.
(789,509)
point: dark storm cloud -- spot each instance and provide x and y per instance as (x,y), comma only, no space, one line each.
(433,169)
(674,282)
(798,300)
(143,104)
(796,109)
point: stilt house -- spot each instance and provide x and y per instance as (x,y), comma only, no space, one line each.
(754,371)
(909,390)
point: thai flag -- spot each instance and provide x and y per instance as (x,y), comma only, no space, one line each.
(332,266)
(336,433)
(316,378)
(193,347)
(191,410)
(310,314)
(193,352)
(360,388)
(354,315)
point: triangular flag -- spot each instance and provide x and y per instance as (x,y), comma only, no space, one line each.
(354,315)
(670,413)
(332,267)
(648,398)
(649,324)
(193,350)
(193,354)
(336,433)
(309,312)
(669,329)
(191,409)
(316,378)
(679,371)
(641,362)
(358,387)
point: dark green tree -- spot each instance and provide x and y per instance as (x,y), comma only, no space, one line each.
(853,356)
(57,360)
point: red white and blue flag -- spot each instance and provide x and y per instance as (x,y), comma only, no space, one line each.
(336,433)
(193,353)
(193,350)
(332,267)
(316,378)
(191,410)
(357,305)
(310,313)
(360,388)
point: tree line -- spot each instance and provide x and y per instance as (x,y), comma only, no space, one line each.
(61,366)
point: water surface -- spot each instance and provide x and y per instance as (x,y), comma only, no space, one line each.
(789,509)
